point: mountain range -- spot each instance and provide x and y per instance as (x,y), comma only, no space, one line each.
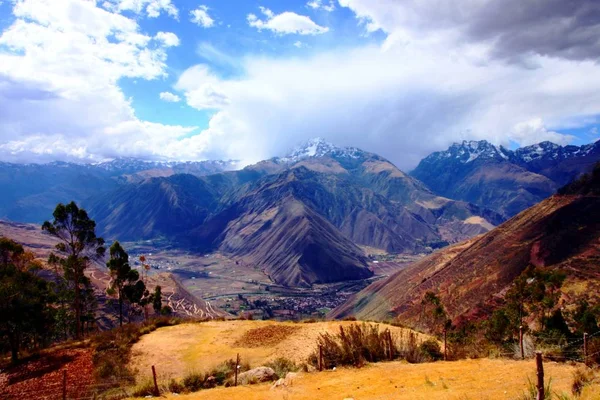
(300,218)
(31,191)
(503,180)
(307,217)
(560,233)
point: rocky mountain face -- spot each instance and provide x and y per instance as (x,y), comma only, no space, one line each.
(562,232)
(31,191)
(504,180)
(299,217)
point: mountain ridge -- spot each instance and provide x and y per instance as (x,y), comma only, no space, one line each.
(504,180)
(560,233)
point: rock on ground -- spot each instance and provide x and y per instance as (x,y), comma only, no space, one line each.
(256,375)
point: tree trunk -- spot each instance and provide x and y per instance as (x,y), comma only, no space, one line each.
(120,308)
(14,347)
(77,304)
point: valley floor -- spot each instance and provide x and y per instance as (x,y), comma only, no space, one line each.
(467,379)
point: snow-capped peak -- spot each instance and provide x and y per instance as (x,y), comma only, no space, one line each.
(319,147)
(469,151)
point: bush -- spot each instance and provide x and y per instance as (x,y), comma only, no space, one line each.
(175,386)
(282,366)
(145,389)
(193,382)
(354,345)
(581,378)
(430,349)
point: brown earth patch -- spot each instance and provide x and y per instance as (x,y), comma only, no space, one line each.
(265,336)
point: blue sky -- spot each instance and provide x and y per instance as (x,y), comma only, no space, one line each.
(229,39)
(86,80)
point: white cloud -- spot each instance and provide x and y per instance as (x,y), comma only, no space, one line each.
(298,44)
(318,5)
(170,97)
(414,94)
(153,8)
(169,39)
(534,131)
(201,17)
(203,90)
(62,63)
(216,56)
(402,103)
(286,23)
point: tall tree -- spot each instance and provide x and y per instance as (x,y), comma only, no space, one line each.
(77,245)
(25,300)
(157,300)
(123,277)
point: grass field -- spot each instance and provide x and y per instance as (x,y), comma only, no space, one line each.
(483,379)
(178,350)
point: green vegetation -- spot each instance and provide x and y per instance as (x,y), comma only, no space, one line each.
(77,245)
(125,281)
(26,301)
(531,301)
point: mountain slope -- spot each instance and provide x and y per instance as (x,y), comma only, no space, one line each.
(561,232)
(294,245)
(503,180)
(31,191)
(157,207)
(299,218)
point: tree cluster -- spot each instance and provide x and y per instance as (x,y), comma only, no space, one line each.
(39,307)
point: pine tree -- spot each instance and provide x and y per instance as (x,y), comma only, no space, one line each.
(77,245)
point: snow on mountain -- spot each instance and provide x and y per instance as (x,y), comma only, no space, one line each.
(319,147)
(551,151)
(469,151)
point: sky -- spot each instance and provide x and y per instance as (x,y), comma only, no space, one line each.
(85,80)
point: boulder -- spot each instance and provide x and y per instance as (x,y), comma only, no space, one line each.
(257,375)
(285,382)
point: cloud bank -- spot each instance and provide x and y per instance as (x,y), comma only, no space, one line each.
(474,74)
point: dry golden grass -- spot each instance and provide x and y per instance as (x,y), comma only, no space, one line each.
(461,380)
(178,350)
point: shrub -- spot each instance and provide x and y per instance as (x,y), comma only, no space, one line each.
(175,386)
(581,377)
(430,349)
(282,366)
(144,389)
(531,392)
(354,345)
(193,382)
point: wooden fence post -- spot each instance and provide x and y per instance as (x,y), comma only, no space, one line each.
(64,385)
(585,348)
(521,342)
(156,392)
(237,367)
(320,357)
(540,376)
